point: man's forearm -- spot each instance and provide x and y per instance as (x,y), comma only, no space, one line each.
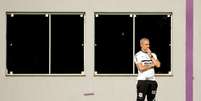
(155,62)
(146,67)
(149,66)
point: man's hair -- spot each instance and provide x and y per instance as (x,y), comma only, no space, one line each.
(143,39)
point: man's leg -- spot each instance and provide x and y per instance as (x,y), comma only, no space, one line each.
(153,85)
(141,90)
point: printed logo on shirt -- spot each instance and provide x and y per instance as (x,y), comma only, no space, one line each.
(153,92)
(147,62)
(140,94)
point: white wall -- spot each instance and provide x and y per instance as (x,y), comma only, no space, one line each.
(105,88)
(197,50)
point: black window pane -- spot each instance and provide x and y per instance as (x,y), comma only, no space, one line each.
(158,29)
(114,44)
(27,44)
(67,52)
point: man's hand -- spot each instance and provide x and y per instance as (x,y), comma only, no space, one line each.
(156,62)
(149,52)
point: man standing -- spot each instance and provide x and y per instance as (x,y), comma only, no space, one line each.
(145,61)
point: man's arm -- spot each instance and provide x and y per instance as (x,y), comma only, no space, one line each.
(154,59)
(143,68)
(156,62)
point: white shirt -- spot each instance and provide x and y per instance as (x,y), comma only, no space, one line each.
(142,57)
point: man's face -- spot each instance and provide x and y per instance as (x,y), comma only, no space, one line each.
(145,45)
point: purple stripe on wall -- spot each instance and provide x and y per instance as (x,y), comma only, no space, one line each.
(189,50)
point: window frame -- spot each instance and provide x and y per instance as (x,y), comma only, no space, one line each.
(46,14)
(134,14)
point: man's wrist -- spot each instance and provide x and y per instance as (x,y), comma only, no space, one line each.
(150,55)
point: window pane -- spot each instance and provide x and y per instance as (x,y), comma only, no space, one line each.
(27,44)
(67,50)
(114,44)
(158,29)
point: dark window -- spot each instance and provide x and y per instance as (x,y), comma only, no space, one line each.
(27,44)
(49,43)
(67,50)
(114,44)
(158,29)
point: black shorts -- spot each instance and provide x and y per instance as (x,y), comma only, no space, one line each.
(146,88)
